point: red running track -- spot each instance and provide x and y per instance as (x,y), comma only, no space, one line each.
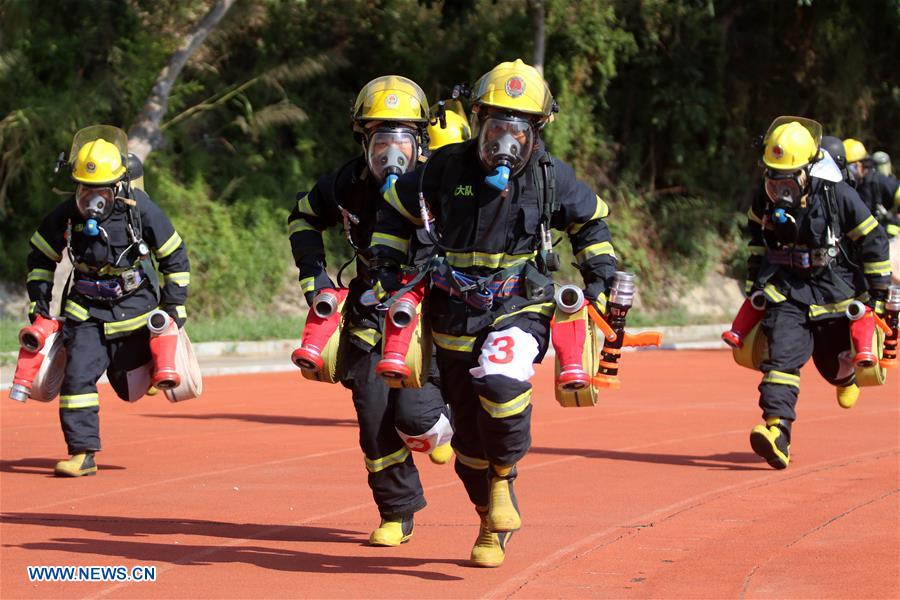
(258,490)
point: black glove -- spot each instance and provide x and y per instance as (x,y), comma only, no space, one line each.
(40,308)
(172,311)
(877,298)
(598,293)
(386,283)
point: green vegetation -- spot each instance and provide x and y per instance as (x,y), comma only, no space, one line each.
(244,327)
(660,100)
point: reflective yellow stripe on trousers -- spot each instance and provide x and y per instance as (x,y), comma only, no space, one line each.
(380,464)
(500,410)
(79,400)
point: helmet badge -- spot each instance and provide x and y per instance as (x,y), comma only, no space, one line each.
(777,151)
(90,167)
(515,87)
(391,101)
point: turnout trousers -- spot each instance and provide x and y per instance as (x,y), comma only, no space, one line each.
(486,383)
(383,413)
(89,354)
(793,339)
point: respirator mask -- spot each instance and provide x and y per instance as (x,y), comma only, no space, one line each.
(504,147)
(94,204)
(391,152)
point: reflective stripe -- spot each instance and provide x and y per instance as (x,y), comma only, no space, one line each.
(594,250)
(298,225)
(308,284)
(601,211)
(600,303)
(31,308)
(129,324)
(304,207)
(757,250)
(391,241)
(863,229)
(41,244)
(773,294)
(748,286)
(500,410)
(180,278)
(457,343)
(499,260)
(380,464)
(816,310)
(170,246)
(877,268)
(40,275)
(394,200)
(782,378)
(79,400)
(379,293)
(181,312)
(472,462)
(897,198)
(76,311)
(545,308)
(366,334)
(752,216)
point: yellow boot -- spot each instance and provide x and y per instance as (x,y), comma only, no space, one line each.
(503,511)
(490,548)
(442,454)
(78,465)
(392,532)
(771,442)
(847,396)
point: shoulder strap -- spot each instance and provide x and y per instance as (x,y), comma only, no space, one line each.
(550,202)
(832,213)
(137,226)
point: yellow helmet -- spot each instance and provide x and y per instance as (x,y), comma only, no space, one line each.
(457,130)
(98,163)
(98,155)
(514,86)
(854,150)
(391,98)
(791,143)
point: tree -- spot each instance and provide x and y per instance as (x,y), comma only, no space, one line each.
(145,135)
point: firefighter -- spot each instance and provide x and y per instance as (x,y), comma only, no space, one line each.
(452,129)
(493,200)
(814,249)
(880,192)
(389,119)
(835,147)
(882,162)
(109,229)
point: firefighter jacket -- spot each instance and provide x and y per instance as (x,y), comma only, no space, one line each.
(836,253)
(352,189)
(488,231)
(881,194)
(111,259)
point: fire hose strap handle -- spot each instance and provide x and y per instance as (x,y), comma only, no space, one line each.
(882,324)
(608,332)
